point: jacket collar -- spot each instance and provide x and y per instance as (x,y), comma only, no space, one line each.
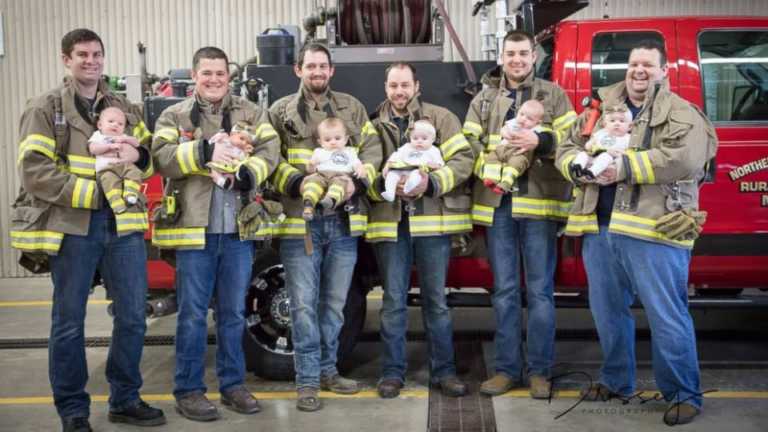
(69,109)
(414,107)
(494,78)
(211,108)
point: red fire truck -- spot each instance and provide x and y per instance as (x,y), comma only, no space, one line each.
(718,63)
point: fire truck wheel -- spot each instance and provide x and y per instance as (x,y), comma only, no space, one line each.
(267,340)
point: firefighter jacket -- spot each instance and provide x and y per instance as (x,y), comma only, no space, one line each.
(58,176)
(296,118)
(447,211)
(542,192)
(670,144)
(178,147)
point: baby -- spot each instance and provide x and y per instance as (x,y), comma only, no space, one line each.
(330,167)
(120,182)
(607,143)
(504,165)
(412,158)
(240,141)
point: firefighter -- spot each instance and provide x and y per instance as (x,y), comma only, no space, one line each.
(63,223)
(638,220)
(523,223)
(416,229)
(319,256)
(199,220)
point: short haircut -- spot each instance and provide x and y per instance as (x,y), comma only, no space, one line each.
(534,104)
(77,36)
(400,65)
(331,122)
(652,44)
(519,35)
(617,109)
(424,126)
(313,47)
(211,53)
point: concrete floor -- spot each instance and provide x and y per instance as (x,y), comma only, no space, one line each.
(737,368)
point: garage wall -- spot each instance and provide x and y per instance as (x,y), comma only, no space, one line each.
(173,29)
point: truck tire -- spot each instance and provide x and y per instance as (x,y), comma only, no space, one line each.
(267,340)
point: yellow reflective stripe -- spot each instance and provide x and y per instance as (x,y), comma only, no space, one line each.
(509,174)
(640,226)
(185,155)
(482,214)
(372,193)
(446,178)
(452,145)
(564,121)
(381,230)
(82,195)
(312,191)
(38,143)
(297,156)
(174,237)
(565,166)
(492,171)
(168,134)
(259,168)
(540,207)
(370,172)
(37,241)
(131,185)
(479,163)
(112,193)
(357,223)
(265,131)
(82,165)
(149,170)
(140,132)
(131,222)
(291,226)
(472,128)
(282,174)
(494,140)
(646,160)
(581,224)
(439,224)
(368,129)
(635,164)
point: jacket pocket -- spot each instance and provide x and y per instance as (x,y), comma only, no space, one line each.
(28,218)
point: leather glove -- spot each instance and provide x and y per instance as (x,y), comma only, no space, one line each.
(683,224)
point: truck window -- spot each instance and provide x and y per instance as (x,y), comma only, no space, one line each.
(544,58)
(734,72)
(610,52)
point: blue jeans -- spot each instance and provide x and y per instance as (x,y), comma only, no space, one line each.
(536,240)
(431,255)
(221,271)
(122,263)
(318,285)
(618,267)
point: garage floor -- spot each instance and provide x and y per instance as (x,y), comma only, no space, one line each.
(733,349)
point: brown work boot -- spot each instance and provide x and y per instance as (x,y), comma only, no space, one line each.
(597,392)
(541,388)
(452,386)
(680,413)
(338,384)
(195,406)
(389,388)
(240,400)
(497,385)
(307,399)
